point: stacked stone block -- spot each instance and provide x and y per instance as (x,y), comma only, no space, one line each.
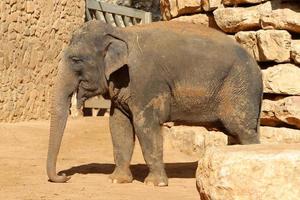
(269,31)
(32,36)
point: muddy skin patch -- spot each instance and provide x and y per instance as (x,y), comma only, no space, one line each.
(140,119)
(158,102)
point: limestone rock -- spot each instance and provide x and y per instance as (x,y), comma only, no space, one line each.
(174,8)
(250,172)
(248,40)
(203,19)
(283,111)
(295,51)
(274,45)
(30,48)
(232,20)
(286,19)
(29,6)
(267,45)
(209,5)
(274,135)
(282,79)
(191,139)
(238,2)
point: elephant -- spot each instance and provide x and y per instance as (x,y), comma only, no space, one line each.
(156,73)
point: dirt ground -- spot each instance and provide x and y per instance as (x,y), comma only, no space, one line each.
(86,155)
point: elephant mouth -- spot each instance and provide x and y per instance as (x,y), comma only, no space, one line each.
(86,91)
(87,86)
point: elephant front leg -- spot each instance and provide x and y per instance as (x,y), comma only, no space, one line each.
(123,143)
(147,128)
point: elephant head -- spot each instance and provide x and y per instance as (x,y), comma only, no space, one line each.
(95,51)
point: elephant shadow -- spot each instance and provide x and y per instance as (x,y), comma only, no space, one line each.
(139,171)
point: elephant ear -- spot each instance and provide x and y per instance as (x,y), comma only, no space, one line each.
(115,57)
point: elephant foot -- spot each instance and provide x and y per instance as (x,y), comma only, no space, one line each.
(121,175)
(156,180)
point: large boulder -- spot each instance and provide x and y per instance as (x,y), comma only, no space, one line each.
(295,51)
(175,8)
(282,135)
(201,18)
(192,140)
(281,112)
(282,79)
(232,20)
(274,45)
(250,172)
(267,45)
(248,40)
(286,19)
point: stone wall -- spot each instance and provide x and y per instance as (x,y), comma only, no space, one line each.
(32,36)
(270,32)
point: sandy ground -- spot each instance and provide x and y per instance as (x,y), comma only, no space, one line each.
(86,155)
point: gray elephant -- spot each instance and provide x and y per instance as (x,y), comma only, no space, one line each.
(165,71)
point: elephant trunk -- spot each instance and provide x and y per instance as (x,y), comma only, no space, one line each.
(65,85)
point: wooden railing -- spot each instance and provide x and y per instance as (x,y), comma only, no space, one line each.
(119,16)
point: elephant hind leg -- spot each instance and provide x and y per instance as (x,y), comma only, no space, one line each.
(239,110)
(241,135)
(242,126)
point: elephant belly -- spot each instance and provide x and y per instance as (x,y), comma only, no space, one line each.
(193,105)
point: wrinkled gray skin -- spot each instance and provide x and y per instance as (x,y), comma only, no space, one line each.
(156,73)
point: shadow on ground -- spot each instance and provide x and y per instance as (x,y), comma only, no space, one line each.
(139,171)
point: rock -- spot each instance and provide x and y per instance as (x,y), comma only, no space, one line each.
(295,51)
(232,20)
(283,111)
(174,8)
(248,40)
(274,135)
(192,140)
(31,50)
(282,79)
(286,19)
(209,5)
(267,45)
(250,172)
(274,45)
(238,2)
(30,7)
(203,19)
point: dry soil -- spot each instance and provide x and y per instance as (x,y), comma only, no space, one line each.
(86,155)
